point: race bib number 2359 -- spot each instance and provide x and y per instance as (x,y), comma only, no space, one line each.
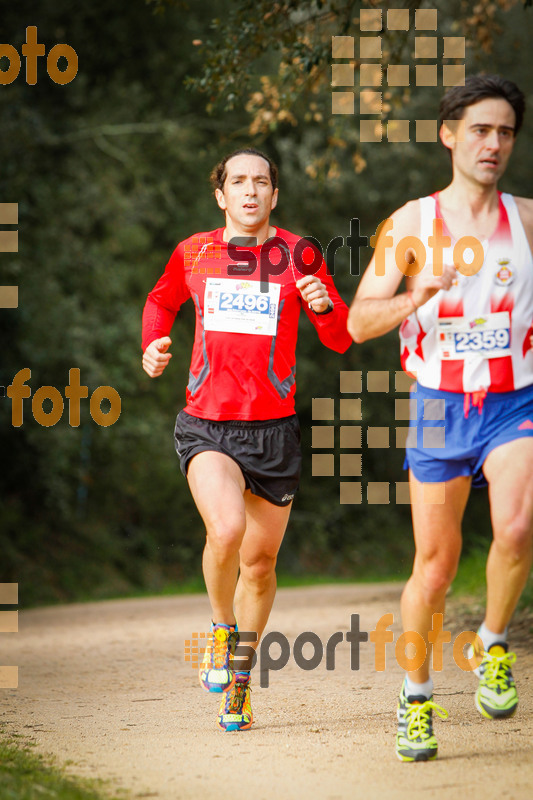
(482,337)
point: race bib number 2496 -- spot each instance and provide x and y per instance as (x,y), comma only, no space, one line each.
(238,306)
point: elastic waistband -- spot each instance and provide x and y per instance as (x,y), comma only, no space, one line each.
(459,397)
(244,423)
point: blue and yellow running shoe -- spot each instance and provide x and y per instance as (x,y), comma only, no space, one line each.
(235,713)
(415,740)
(496,696)
(216,671)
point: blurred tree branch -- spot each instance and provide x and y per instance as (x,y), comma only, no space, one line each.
(300,31)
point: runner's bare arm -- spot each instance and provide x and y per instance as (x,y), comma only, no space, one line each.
(376,308)
(525,210)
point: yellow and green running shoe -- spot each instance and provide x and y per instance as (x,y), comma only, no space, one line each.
(235,712)
(216,670)
(415,740)
(496,696)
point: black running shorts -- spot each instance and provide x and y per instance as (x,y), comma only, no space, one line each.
(267,451)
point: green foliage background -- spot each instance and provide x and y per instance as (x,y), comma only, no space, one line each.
(110,172)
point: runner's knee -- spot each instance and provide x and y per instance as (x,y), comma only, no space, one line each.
(434,578)
(258,570)
(514,538)
(224,535)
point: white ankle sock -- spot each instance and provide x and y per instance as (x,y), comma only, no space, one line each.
(489,637)
(412,689)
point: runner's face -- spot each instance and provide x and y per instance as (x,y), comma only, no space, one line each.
(247,196)
(488,141)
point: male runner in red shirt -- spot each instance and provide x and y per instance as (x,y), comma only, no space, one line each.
(238,438)
(466,334)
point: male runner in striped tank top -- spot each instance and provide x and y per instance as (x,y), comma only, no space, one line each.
(466,332)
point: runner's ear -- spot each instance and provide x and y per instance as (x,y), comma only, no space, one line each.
(446,136)
(452,131)
(221,200)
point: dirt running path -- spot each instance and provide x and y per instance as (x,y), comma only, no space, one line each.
(105,685)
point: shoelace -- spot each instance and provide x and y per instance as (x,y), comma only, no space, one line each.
(220,651)
(238,696)
(418,718)
(496,670)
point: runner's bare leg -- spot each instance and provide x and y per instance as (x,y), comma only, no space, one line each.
(217,486)
(509,471)
(437,531)
(256,588)
(236,520)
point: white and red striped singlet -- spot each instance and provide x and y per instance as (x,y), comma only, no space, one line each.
(503,284)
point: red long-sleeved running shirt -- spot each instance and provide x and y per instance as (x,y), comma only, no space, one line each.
(243,360)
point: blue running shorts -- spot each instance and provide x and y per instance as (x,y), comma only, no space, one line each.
(450,436)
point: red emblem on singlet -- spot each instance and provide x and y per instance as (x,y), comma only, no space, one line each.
(505,275)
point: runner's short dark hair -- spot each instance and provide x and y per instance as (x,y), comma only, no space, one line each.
(218,173)
(481,87)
